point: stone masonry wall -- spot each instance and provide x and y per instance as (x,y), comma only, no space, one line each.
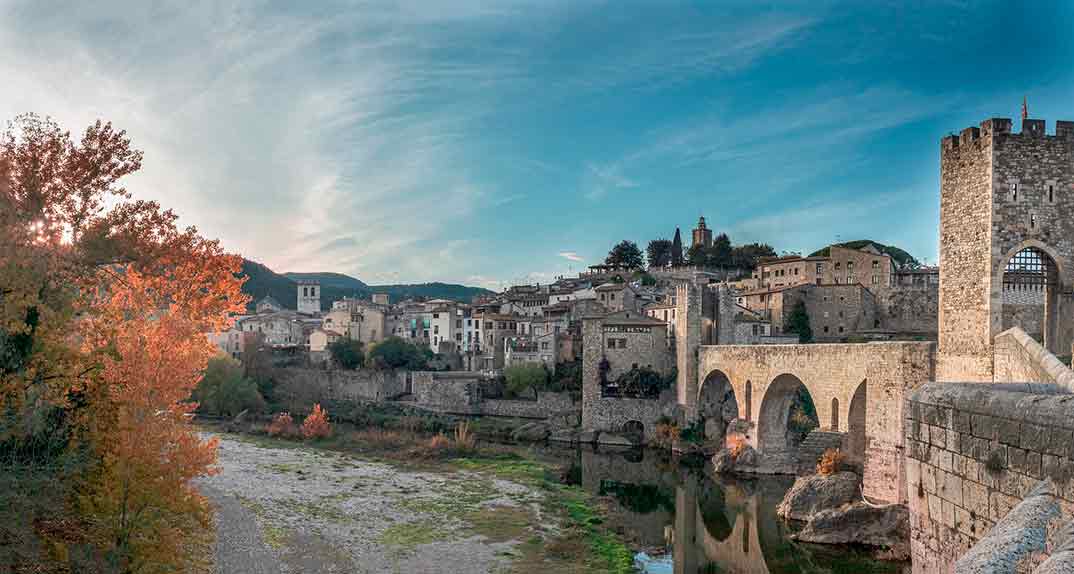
(362,384)
(1019,358)
(973,452)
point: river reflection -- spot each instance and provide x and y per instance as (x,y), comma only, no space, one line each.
(694,522)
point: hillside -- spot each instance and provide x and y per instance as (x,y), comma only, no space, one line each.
(262,281)
(430,291)
(898,255)
(337,280)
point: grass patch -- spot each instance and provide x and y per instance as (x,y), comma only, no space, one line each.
(406,536)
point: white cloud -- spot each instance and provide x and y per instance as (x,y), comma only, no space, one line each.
(571,256)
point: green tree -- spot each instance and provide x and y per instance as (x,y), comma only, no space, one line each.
(697,256)
(347,353)
(224,390)
(676,250)
(625,254)
(720,253)
(658,253)
(798,323)
(525,376)
(748,255)
(395,353)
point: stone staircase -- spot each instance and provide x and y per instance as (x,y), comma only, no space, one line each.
(814,445)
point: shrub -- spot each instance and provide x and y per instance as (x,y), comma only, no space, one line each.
(282,425)
(316,424)
(439,443)
(464,439)
(395,353)
(736,445)
(667,433)
(224,390)
(521,378)
(347,353)
(831,462)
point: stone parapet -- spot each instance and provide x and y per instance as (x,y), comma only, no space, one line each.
(974,451)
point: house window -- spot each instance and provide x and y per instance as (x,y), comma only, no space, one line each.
(611,343)
(840,328)
(876,265)
(436,329)
(837,264)
(1032,221)
(820,268)
(1013,187)
(876,279)
(825,328)
(611,296)
(436,315)
(544,346)
(622,343)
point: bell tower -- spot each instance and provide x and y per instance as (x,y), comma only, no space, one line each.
(702,234)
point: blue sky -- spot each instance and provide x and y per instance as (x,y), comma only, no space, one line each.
(497,142)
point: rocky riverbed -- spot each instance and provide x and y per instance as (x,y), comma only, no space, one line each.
(294,509)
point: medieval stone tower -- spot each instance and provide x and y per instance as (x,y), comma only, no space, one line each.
(1006,242)
(702,234)
(309,297)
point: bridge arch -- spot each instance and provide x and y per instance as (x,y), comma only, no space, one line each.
(787,413)
(857,415)
(717,405)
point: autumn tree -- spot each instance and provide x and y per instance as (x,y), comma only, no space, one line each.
(104,307)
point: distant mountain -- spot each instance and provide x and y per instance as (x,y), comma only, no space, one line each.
(430,291)
(337,280)
(262,281)
(898,255)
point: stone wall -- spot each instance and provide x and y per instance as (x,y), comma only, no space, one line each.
(611,414)
(360,385)
(461,394)
(973,452)
(1019,358)
(910,310)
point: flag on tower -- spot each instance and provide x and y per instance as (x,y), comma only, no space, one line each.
(1025,109)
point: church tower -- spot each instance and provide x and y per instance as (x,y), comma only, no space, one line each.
(309,297)
(702,234)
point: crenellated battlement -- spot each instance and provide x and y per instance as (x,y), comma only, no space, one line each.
(1002,126)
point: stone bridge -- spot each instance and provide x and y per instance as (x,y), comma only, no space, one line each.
(858,390)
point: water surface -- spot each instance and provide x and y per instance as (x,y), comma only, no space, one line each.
(691,521)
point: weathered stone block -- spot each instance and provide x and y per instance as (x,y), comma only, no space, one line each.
(1010,432)
(983,426)
(1033,437)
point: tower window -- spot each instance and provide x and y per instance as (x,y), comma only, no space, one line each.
(1013,186)
(1049,191)
(1032,221)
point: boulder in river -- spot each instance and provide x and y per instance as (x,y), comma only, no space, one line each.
(859,523)
(725,462)
(816,492)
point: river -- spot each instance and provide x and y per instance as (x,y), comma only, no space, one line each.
(690,521)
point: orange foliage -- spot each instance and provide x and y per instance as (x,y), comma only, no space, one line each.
(117,302)
(736,445)
(316,424)
(282,425)
(439,442)
(831,462)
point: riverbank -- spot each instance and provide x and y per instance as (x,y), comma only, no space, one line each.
(347,505)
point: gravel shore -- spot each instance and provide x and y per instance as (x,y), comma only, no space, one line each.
(291,510)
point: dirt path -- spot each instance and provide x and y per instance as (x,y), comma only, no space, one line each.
(291,510)
(239,548)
